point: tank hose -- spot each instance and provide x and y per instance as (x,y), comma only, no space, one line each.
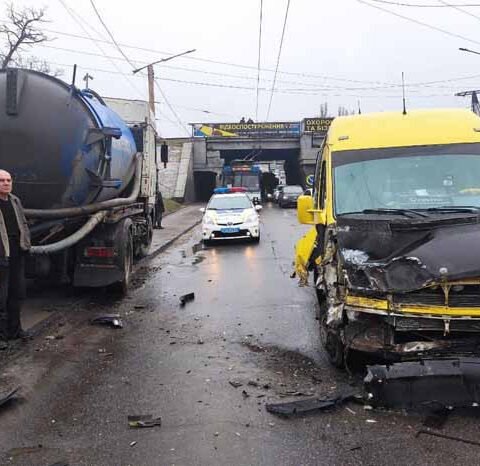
(71,240)
(91,208)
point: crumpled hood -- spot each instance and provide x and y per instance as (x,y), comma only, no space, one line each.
(404,256)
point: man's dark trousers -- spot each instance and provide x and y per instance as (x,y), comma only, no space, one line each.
(12,294)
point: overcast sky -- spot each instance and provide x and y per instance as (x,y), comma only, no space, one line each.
(335,51)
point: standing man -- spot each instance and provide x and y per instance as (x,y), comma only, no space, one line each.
(14,243)
(159,210)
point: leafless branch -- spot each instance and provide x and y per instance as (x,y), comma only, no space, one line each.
(21,30)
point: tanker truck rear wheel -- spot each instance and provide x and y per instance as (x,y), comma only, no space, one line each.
(122,287)
(145,243)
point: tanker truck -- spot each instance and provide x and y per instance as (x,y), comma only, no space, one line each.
(87,178)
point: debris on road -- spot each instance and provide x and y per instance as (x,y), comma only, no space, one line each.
(132,444)
(9,396)
(186,298)
(245,394)
(144,421)
(451,382)
(437,419)
(447,437)
(108,319)
(310,404)
(235,383)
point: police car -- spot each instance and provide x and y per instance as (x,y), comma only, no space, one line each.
(230,214)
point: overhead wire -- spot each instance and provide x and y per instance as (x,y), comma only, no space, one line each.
(293,91)
(421,23)
(181,124)
(238,65)
(278,58)
(461,10)
(259,59)
(78,19)
(422,5)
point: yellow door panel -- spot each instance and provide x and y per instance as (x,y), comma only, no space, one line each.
(303,252)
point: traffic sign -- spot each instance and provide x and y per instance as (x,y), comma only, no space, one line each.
(310,180)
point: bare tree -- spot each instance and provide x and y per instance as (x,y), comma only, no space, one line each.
(37,64)
(323,110)
(20,31)
(343,111)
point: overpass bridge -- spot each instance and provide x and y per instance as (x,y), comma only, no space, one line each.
(214,145)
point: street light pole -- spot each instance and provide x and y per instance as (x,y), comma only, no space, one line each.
(463,49)
(163,60)
(475,105)
(151,76)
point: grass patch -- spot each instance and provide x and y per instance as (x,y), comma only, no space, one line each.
(171,205)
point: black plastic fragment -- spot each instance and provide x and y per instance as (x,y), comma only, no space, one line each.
(186,298)
(310,404)
(451,382)
(8,397)
(108,319)
(143,421)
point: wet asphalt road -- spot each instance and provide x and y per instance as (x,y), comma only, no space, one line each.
(249,323)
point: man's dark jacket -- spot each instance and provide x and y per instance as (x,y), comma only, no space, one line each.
(22,226)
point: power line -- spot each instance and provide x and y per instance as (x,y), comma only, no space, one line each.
(278,58)
(461,10)
(421,5)
(133,66)
(110,34)
(421,23)
(237,65)
(312,91)
(181,124)
(78,19)
(259,57)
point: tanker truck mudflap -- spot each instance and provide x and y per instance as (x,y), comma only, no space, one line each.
(105,258)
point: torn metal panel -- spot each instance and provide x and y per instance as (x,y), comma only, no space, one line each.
(451,382)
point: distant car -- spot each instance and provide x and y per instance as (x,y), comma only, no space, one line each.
(230,216)
(276,193)
(289,195)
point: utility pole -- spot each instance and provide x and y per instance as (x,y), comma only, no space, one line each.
(151,89)
(151,76)
(475,105)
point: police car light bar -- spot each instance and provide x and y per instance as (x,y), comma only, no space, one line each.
(229,190)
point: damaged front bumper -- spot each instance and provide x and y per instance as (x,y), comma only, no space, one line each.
(400,336)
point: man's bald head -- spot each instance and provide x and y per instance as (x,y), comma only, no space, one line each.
(5,184)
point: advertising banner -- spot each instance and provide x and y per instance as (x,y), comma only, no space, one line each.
(316,125)
(266,129)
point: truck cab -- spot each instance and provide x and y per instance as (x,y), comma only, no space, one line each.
(394,244)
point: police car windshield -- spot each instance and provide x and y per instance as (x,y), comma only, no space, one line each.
(229,202)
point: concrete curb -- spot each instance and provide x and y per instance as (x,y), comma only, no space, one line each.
(168,243)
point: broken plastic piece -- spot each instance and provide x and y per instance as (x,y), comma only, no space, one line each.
(440,382)
(235,383)
(108,319)
(9,396)
(311,404)
(144,421)
(186,298)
